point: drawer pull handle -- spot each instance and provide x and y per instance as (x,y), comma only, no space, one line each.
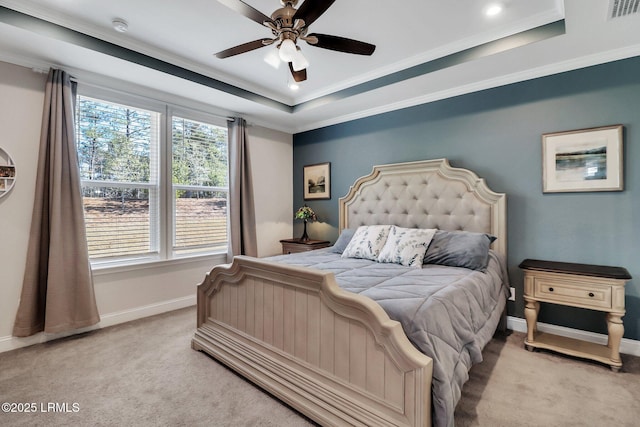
(591,294)
(550,289)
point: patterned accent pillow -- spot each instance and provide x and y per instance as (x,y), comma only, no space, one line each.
(367,242)
(406,246)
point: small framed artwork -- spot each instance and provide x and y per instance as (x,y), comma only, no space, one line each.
(317,181)
(583,160)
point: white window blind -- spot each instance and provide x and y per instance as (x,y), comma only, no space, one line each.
(200,187)
(118,157)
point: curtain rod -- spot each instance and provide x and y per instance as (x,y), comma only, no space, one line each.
(75,80)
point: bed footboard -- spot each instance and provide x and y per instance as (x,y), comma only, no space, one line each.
(332,355)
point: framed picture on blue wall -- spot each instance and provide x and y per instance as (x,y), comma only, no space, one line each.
(317,181)
(583,160)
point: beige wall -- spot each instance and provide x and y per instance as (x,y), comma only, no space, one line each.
(272,159)
(126,294)
(21,99)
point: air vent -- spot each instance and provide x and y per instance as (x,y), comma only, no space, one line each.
(620,8)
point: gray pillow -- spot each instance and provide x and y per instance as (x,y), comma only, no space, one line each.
(460,249)
(343,240)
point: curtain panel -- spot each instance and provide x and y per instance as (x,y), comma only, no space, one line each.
(241,209)
(57,291)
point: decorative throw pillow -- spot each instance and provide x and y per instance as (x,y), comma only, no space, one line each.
(460,249)
(406,246)
(343,240)
(367,242)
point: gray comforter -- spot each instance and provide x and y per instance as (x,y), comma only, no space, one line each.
(448,313)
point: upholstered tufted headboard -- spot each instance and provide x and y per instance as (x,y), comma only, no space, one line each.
(426,194)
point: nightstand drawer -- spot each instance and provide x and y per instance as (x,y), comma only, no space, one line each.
(579,295)
(291,246)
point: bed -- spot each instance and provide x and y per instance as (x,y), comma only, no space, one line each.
(286,324)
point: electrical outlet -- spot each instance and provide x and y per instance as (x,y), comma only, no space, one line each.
(512,294)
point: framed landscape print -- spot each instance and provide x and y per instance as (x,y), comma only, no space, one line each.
(583,160)
(317,181)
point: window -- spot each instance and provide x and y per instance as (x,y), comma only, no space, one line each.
(199,185)
(138,206)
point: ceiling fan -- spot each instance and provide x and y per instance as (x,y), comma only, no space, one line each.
(288,25)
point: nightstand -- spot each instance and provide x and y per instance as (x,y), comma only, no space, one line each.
(290,246)
(593,287)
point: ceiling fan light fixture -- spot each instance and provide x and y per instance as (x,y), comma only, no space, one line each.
(288,25)
(299,61)
(287,50)
(273,59)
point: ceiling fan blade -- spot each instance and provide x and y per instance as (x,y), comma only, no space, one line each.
(246,10)
(246,47)
(342,44)
(312,9)
(298,76)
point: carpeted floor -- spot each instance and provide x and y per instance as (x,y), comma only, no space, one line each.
(144,373)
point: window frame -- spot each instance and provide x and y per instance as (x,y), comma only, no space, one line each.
(165,233)
(198,116)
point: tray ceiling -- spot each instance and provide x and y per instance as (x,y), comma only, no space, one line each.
(426,50)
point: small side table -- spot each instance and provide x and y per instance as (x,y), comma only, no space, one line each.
(579,285)
(290,246)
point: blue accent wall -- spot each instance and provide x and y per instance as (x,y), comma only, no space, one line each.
(497,134)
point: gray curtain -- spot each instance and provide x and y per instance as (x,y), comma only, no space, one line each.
(57,291)
(242,222)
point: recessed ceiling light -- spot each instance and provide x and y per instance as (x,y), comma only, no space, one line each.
(493,9)
(293,85)
(120,25)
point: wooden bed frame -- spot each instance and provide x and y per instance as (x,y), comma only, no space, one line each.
(332,355)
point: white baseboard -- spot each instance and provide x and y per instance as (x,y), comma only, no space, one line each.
(627,346)
(109,319)
(146,311)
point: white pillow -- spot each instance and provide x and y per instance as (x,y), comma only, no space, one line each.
(406,246)
(367,242)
